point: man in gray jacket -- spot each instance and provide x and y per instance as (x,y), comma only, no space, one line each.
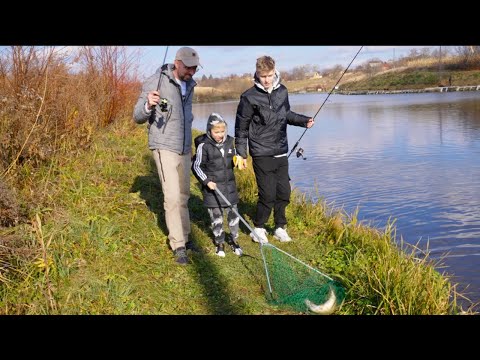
(166,103)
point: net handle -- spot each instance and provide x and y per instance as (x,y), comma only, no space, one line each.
(251,230)
(236,212)
(284,252)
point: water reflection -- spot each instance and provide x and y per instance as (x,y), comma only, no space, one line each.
(411,157)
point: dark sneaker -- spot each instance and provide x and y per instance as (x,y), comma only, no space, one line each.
(235,247)
(220,250)
(181,256)
(192,247)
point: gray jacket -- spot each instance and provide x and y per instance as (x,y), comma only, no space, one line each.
(171,129)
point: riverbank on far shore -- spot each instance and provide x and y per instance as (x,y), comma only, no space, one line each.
(408,91)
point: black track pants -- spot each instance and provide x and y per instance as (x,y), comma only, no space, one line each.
(274,189)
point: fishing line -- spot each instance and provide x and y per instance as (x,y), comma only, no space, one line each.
(301,151)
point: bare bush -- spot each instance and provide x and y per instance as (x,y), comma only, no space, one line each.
(53,101)
(107,74)
(45,106)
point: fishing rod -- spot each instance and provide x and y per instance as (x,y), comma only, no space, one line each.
(300,150)
(163,102)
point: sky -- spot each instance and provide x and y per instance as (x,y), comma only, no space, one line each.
(220,61)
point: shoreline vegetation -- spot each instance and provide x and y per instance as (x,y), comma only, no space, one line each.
(411,75)
(411,91)
(218,97)
(81,218)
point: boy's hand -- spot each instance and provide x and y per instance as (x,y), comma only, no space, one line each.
(239,162)
(244,164)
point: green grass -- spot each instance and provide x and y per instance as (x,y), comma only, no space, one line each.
(414,79)
(100,247)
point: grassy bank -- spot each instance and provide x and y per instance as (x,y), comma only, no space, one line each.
(393,79)
(414,79)
(100,247)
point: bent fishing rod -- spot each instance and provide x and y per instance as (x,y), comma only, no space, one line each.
(300,151)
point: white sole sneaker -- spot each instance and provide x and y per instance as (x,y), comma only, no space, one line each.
(281,235)
(282,240)
(255,238)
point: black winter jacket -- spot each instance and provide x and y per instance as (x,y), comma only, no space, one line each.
(263,118)
(208,164)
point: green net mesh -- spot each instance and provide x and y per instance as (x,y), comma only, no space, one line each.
(298,286)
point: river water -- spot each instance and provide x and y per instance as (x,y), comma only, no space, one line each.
(412,158)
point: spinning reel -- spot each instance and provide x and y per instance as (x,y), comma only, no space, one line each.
(163,104)
(300,153)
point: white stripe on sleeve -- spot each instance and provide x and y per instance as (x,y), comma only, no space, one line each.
(198,161)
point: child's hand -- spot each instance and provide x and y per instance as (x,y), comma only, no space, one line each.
(211,185)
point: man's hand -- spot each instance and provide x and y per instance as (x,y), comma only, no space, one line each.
(153,98)
(310,123)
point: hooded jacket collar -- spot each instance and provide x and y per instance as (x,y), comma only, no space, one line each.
(276,81)
(215,119)
(167,70)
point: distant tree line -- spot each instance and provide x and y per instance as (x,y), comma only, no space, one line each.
(466,58)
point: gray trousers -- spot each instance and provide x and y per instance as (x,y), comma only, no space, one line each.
(216,216)
(174,172)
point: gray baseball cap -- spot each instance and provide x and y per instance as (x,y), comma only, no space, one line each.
(188,56)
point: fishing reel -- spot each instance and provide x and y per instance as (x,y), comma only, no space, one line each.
(300,153)
(163,104)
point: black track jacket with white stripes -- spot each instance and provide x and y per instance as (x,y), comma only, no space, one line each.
(208,164)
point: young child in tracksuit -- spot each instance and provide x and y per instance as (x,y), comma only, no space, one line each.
(213,167)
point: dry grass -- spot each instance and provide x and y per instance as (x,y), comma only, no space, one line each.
(49,113)
(46,107)
(207,90)
(431,62)
(47,110)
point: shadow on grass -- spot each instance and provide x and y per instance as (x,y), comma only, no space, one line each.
(252,263)
(151,191)
(215,287)
(214,284)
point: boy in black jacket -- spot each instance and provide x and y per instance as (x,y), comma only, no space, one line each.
(263,114)
(213,166)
